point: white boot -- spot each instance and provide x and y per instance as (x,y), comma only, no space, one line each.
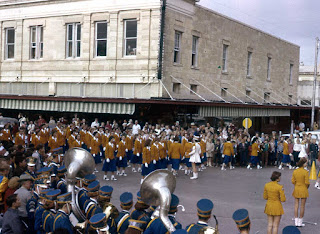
(290,167)
(194,177)
(105,177)
(248,167)
(300,222)
(186,171)
(123,173)
(113,178)
(222,168)
(280,167)
(296,222)
(259,167)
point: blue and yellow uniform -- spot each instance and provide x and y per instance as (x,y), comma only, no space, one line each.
(105,193)
(39,212)
(122,221)
(139,218)
(204,207)
(62,219)
(156,226)
(90,206)
(99,222)
(49,215)
(241,218)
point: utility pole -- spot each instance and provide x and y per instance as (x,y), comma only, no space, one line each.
(314,83)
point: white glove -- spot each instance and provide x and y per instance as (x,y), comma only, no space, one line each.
(202,157)
(108,160)
(138,154)
(94,155)
(104,148)
(234,156)
(146,164)
(183,158)
(154,161)
(100,153)
(223,156)
(126,150)
(117,146)
(120,158)
(90,148)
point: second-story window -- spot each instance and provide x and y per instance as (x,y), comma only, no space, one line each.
(290,73)
(10,40)
(130,37)
(194,61)
(177,45)
(269,68)
(36,42)
(73,40)
(249,63)
(101,39)
(225,58)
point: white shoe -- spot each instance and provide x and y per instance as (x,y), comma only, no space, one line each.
(180,168)
(194,177)
(113,178)
(231,168)
(95,170)
(203,167)
(223,169)
(189,172)
(186,172)
(129,165)
(105,177)
(300,223)
(259,167)
(139,169)
(290,167)
(134,170)
(118,172)
(296,222)
(248,167)
(317,186)
(124,174)
(280,167)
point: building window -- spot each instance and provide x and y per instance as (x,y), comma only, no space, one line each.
(266,97)
(101,39)
(36,42)
(130,37)
(10,40)
(225,58)
(73,40)
(269,68)
(249,63)
(224,92)
(290,99)
(193,88)
(290,74)
(177,47)
(248,93)
(194,60)
(306,102)
(176,87)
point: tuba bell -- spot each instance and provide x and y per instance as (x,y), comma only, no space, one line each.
(156,190)
(79,163)
(210,230)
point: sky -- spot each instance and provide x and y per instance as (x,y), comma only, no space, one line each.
(296,21)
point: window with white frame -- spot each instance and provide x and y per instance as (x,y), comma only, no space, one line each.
(36,42)
(290,73)
(73,40)
(177,47)
(194,60)
(249,63)
(9,43)
(269,69)
(225,58)
(130,37)
(101,38)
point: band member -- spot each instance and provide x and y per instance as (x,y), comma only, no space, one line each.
(99,223)
(205,207)
(20,138)
(242,220)
(62,217)
(187,150)
(291,230)
(122,221)
(175,153)
(62,184)
(31,167)
(254,159)
(227,155)
(195,157)
(137,154)
(129,146)
(109,164)
(146,159)
(285,156)
(50,210)
(156,226)
(122,161)
(91,206)
(274,194)
(94,147)
(203,145)
(300,179)
(38,227)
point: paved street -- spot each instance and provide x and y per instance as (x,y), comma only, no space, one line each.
(229,190)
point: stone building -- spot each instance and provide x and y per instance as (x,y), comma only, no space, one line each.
(117,56)
(305,86)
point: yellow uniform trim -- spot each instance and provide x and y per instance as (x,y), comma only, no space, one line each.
(122,221)
(54,223)
(190,227)
(151,222)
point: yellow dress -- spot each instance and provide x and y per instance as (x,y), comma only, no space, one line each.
(274,194)
(300,179)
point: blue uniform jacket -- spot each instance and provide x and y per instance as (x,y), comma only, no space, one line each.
(38,219)
(62,186)
(141,216)
(31,205)
(122,221)
(156,226)
(47,220)
(195,227)
(62,221)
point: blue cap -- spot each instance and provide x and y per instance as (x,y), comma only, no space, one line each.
(126,200)
(174,203)
(105,191)
(139,196)
(62,169)
(89,178)
(47,169)
(98,221)
(291,230)
(65,198)
(44,192)
(205,207)
(52,195)
(57,151)
(93,187)
(241,217)
(180,231)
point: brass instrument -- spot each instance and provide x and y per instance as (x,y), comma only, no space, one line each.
(79,163)
(210,230)
(110,211)
(156,190)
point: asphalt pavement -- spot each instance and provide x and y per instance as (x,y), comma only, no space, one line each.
(229,190)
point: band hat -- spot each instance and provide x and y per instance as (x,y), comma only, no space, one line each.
(139,197)
(62,170)
(65,198)
(205,207)
(126,199)
(44,192)
(174,203)
(105,191)
(93,188)
(52,195)
(241,217)
(99,221)
(25,177)
(291,230)
(31,161)
(89,178)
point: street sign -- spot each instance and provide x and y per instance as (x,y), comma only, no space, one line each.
(247,123)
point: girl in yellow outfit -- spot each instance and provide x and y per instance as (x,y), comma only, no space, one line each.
(300,179)
(146,159)
(274,194)
(254,159)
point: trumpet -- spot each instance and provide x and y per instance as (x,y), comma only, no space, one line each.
(210,230)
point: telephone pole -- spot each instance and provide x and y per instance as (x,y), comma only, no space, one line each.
(314,83)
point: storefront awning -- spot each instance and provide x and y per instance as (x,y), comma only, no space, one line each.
(224,111)
(68,106)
